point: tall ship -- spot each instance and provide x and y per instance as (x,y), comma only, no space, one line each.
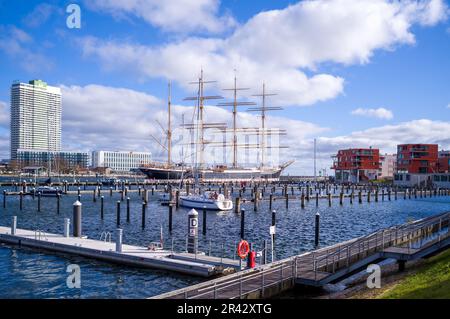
(201,170)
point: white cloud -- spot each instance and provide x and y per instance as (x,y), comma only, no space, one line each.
(274,46)
(448,106)
(40,14)
(380,113)
(15,43)
(4,115)
(175,15)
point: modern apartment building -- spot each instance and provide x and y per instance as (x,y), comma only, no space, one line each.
(120,161)
(356,165)
(55,161)
(444,162)
(35,117)
(387,165)
(417,158)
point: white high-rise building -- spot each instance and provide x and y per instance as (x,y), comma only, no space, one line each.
(35,117)
(120,161)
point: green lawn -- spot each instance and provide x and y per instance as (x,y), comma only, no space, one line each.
(432,281)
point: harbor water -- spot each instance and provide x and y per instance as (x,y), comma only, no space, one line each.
(26,273)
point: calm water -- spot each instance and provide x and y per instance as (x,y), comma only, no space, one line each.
(29,274)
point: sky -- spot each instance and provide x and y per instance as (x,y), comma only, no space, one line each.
(348,73)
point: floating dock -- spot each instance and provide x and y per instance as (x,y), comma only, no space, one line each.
(322,266)
(191,264)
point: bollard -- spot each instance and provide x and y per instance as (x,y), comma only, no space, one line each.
(94,196)
(170,216)
(204,220)
(101,206)
(14,225)
(66,227)
(242,223)
(329,199)
(144,209)
(270,201)
(78,192)
(58,204)
(110,191)
(77,219)
(317,230)
(360,197)
(121,195)
(119,234)
(255,201)
(302,201)
(192,232)
(368,197)
(341,199)
(128,209)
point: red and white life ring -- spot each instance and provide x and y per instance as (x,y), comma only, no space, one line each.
(243,249)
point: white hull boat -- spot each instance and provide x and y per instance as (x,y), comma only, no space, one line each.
(208,201)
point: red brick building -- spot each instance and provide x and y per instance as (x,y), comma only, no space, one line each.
(417,158)
(356,165)
(444,162)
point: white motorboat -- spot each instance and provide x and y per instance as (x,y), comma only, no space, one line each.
(209,200)
(48,191)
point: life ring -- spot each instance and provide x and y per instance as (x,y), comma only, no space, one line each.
(243,249)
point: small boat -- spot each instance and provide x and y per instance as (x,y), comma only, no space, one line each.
(110,181)
(48,191)
(209,200)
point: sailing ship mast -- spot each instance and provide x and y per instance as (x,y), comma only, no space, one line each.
(201,126)
(263,109)
(235,103)
(169,126)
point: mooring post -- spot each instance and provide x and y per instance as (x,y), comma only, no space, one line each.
(118,213)
(272,233)
(329,199)
(192,232)
(317,199)
(270,201)
(317,230)
(58,203)
(237,206)
(264,253)
(119,235)
(242,223)
(341,198)
(204,220)
(21,200)
(177,199)
(39,201)
(144,209)
(14,225)
(170,216)
(110,191)
(66,227)
(102,199)
(302,200)
(79,197)
(360,197)
(128,209)
(287,200)
(78,191)
(77,219)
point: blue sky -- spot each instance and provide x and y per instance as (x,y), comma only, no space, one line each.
(348,73)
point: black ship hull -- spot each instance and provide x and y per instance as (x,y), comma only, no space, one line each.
(228,174)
